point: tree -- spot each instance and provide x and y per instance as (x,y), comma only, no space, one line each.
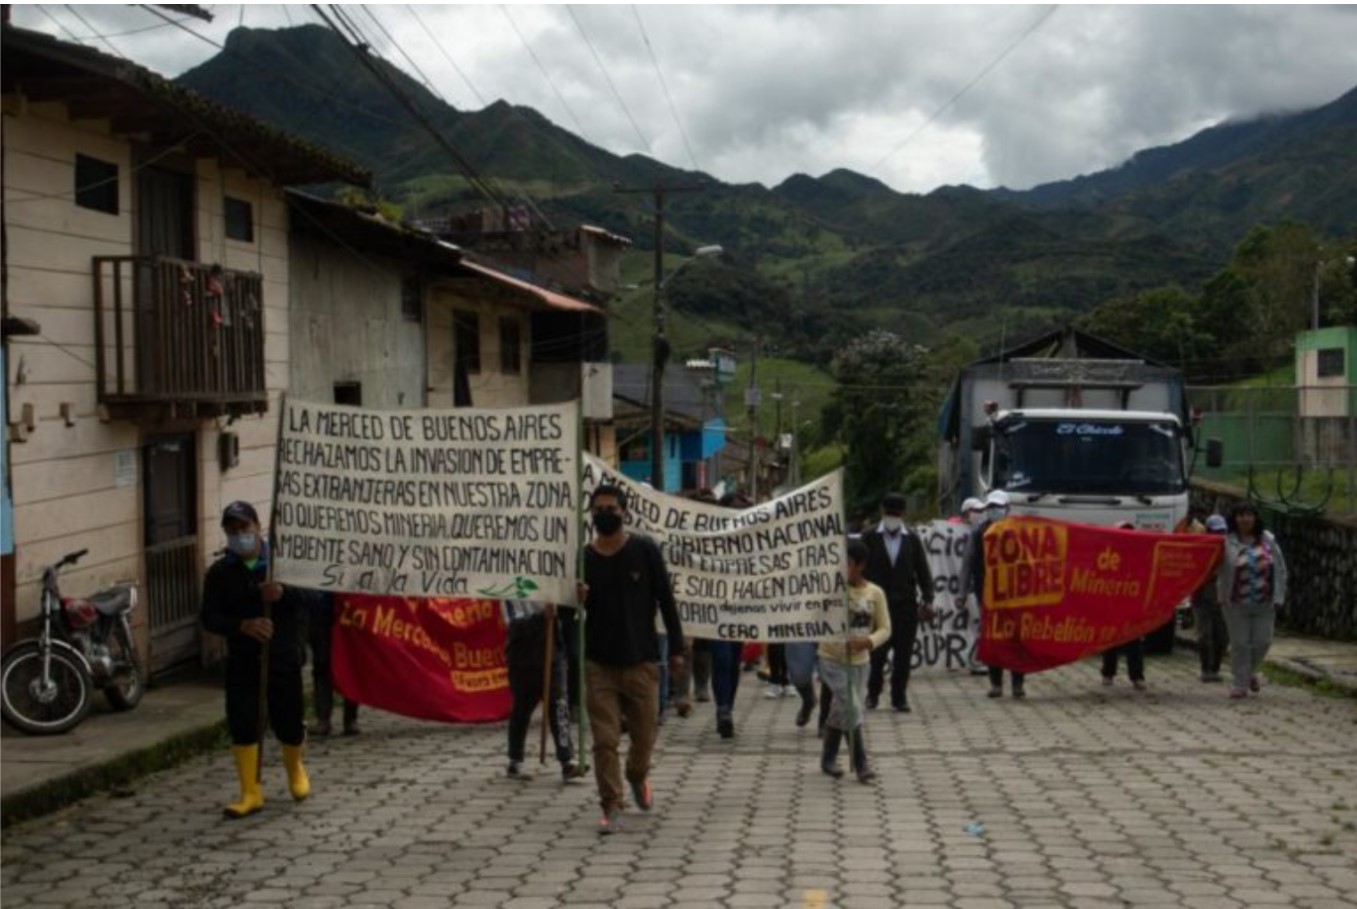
(877,413)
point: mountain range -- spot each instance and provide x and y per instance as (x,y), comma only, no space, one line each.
(815,259)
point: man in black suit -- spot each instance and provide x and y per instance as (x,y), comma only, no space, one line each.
(897,563)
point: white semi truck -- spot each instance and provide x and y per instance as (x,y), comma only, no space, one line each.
(1073,428)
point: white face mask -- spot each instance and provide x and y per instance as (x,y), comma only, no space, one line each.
(975,518)
(892,524)
(996,512)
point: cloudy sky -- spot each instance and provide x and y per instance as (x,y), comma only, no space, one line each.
(915,96)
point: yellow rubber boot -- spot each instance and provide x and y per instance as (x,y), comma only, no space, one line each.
(251,793)
(298,783)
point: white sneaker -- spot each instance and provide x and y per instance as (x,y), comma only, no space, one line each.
(773,691)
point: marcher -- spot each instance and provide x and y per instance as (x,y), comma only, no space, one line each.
(1212,637)
(973,515)
(898,564)
(779,685)
(1252,584)
(973,581)
(320,630)
(235,595)
(625,583)
(844,665)
(525,653)
(725,658)
(1134,651)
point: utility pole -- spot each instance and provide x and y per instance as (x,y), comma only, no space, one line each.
(751,401)
(659,343)
(777,424)
(796,442)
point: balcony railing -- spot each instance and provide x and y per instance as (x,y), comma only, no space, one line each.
(178,335)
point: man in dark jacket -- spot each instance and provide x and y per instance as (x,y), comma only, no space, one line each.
(626,585)
(897,563)
(238,597)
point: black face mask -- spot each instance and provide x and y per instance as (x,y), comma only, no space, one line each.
(607,522)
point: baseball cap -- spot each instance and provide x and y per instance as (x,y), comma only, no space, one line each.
(997,498)
(1216,524)
(239,511)
(972,504)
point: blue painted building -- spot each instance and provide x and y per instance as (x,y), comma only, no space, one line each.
(695,435)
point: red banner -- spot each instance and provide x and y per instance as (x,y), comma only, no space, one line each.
(1057,592)
(432,659)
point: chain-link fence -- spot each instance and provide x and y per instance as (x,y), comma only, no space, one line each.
(1294,446)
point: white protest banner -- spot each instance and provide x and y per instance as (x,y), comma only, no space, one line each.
(772,573)
(948,640)
(429,503)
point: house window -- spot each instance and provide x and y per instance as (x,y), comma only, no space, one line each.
(466,327)
(1330,362)
(239,220)
(96,184)
(510,345)
(350,393)
(412,298)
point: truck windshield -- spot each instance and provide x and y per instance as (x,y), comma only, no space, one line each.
(1103,457)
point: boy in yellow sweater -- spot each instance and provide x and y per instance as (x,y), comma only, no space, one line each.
(844,665)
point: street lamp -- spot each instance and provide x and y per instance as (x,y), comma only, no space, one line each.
(659,354)
(1314,291)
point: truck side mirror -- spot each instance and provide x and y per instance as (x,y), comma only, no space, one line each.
(980,437)
(1215,452)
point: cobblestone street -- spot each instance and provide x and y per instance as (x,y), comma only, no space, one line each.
(1088,796)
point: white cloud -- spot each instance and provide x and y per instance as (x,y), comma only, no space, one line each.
(767,91)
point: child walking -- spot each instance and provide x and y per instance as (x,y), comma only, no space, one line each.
(844,665)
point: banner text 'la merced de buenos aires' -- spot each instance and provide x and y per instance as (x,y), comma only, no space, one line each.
(429,503)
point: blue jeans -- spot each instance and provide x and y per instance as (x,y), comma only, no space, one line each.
(801,663)
(725,674)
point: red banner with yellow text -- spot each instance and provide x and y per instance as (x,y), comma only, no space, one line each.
(432,659)
(1058,592)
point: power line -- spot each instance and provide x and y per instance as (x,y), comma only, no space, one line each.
(673,111)
(75,12)
(351,42)
(428,83)
(1050,11)
(446,56)
(609,79)
(543,70)
(57,22)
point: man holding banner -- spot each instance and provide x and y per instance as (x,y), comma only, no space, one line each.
(625,583)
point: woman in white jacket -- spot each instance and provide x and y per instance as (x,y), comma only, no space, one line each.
(1252,584)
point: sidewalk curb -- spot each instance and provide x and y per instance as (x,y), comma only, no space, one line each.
(112,774)
(1346,685)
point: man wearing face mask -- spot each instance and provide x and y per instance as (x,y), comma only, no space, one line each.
(625,582)
(973,581)
(235,595)
(897,563)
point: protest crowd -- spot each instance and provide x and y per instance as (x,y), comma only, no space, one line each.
(673,599)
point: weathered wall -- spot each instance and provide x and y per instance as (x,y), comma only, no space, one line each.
(67,491)
(348,324)
(1321,559)
(491,387)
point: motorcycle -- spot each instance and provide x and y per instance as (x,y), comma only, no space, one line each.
(47,683)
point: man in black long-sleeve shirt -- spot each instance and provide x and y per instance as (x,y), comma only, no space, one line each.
(234,597)
(625,583)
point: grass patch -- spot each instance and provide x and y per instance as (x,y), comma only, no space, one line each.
(113,775)
(1280,675)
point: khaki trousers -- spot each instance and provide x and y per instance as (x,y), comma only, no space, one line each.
(616,693)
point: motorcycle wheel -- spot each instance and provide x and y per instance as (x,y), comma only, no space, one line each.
(31,709)
(126,692)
